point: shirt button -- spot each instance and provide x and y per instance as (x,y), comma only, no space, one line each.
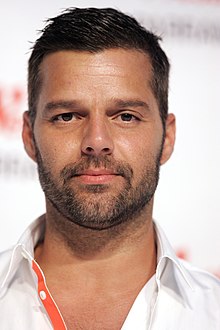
(24,255)
(43,295)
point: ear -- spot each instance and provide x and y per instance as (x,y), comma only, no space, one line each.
(28,137)
(169,141)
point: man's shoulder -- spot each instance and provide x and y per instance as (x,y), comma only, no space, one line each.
(185,273)
(5,256)
(5,259)
(202,282)
(199,273)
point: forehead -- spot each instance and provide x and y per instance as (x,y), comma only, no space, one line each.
(104,75)
(117,61)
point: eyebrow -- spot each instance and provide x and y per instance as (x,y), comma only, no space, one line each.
(131,103)
(70,105)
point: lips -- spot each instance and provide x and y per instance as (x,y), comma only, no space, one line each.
(96,176)
(97,172)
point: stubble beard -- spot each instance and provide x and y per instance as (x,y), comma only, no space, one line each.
(95,206)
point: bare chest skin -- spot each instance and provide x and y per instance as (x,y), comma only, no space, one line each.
(99,318)
(95,312)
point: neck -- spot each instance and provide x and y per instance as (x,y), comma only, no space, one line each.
(79,250)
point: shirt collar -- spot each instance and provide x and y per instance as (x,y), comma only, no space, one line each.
(24,249)
(165,253)
(35,232)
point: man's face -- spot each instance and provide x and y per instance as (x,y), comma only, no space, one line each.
(98,136)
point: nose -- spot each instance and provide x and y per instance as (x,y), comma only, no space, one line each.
(97,139)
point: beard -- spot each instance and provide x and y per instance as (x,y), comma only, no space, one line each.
(96,206)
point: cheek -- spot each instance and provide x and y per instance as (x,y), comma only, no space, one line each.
(138,147)
(140,152)
(57,150)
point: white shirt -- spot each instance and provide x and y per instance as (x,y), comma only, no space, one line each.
(177,297)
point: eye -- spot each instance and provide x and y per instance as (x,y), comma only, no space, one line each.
(68,116)
(128,117)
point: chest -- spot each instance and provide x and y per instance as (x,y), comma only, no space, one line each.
(98,313)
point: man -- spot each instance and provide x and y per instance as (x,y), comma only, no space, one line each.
(98,128)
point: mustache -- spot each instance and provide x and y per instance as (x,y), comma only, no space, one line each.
(91,161)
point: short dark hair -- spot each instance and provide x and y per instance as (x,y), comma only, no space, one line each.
(94,30)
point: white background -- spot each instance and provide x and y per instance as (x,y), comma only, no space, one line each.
(187,202)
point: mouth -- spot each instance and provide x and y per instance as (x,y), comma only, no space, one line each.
(96,176)
(96,171)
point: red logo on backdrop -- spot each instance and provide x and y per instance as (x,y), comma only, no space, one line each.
(12,105)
